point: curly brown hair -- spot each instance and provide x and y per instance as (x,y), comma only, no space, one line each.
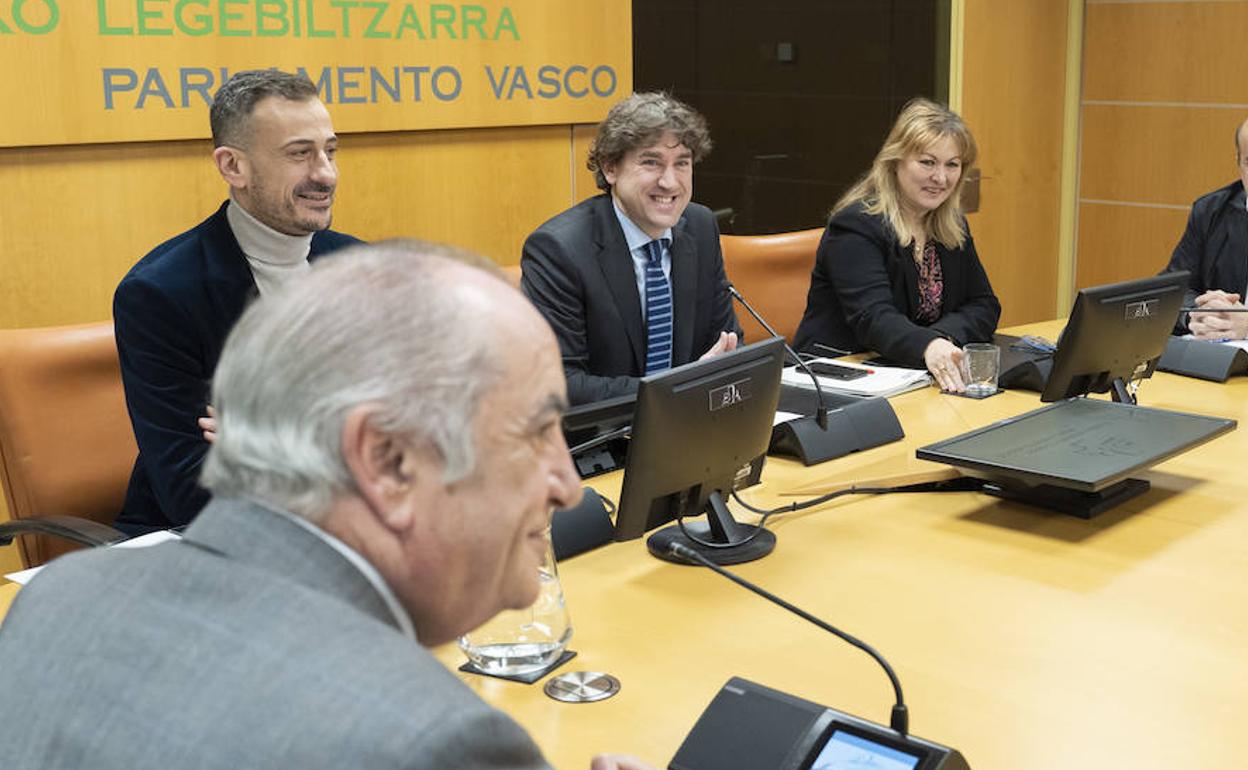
(639,121)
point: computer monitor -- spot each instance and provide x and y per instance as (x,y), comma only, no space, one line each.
(696,430)
(1076,456)
(1116,334)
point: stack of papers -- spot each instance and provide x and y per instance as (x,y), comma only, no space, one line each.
(879,381)
(142,541)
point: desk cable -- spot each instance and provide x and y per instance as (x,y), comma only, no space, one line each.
(955,485)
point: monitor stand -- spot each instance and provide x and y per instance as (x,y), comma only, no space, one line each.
(1085,505)
(1118,389)
(734,543)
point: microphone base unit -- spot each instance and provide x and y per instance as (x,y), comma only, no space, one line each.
(583,527)
(749,726)
(854,424)
(1203,359)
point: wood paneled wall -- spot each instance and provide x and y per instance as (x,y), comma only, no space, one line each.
(1012,92)
(74,219)
(798,93)
(1162,95)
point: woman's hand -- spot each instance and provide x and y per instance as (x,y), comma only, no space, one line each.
(944,361)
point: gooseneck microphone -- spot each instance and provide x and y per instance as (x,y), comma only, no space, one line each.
(900,718)
(821,414)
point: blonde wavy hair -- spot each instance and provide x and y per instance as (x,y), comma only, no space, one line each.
(920,125)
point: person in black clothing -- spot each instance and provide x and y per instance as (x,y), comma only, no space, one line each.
(274,146)
(1214,248)
(632,281)
(896,271)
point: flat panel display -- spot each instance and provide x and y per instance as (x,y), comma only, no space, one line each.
(846,751)
(1081,443)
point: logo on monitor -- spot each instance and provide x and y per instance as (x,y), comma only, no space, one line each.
(1146,309)
(730,394)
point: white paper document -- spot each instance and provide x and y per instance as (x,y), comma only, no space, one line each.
(878,381)
(1241,344)
(142,541)
(782,416)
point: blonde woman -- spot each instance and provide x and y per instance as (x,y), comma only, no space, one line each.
(896,271)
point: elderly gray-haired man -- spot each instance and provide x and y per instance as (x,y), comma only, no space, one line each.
(389,452)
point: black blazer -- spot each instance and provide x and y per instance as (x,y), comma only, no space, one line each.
(578,271)
(1214,246)
(171,315)
(864,293)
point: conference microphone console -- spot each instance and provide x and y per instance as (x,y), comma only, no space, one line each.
(749,726)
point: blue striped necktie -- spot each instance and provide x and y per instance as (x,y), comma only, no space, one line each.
(658,311)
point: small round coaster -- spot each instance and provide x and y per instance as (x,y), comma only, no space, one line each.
(582,686)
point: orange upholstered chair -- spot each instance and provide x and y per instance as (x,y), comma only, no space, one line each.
(772,272)
(66,445)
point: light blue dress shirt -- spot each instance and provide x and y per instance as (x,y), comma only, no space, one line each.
(637,239)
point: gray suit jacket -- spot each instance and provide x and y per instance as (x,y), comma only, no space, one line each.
(252,643)
(578,271)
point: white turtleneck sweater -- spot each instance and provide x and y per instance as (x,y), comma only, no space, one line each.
(274,258)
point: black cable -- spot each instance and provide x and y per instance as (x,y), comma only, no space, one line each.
(961,484)
(790,508)
(814,501)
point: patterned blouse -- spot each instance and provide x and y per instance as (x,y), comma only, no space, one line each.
(931,285)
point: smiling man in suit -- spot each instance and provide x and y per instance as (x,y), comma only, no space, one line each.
(275,147)
(632,281)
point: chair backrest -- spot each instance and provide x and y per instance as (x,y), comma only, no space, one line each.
(66,444)
(772,272)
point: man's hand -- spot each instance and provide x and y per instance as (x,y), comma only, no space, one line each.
(726,343)
(944,361)
(618,761)
(1221,298)
(1214,325)
(209,425)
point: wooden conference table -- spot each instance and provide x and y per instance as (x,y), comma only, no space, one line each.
(1028,640)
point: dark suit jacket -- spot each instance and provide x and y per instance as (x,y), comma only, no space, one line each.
(1214,247)
(252,643)
(864,293)
(578,271)
(172,313)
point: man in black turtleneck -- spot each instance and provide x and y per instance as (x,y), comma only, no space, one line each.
(274,145)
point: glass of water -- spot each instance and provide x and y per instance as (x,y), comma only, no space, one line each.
(517,642)
(981,362)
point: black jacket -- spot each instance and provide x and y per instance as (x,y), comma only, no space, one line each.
(864,293)
(579,273)
(171,315)
(1214,247)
